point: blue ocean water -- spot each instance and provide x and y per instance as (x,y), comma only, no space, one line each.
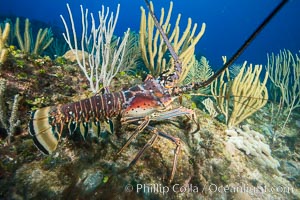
(229,23)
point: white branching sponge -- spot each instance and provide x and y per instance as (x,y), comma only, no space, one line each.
(104,59)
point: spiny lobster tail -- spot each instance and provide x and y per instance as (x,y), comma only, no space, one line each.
(44,136)
(46,124)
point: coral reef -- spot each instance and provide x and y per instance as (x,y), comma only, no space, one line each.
(90,170)
(214,162)
(253,144)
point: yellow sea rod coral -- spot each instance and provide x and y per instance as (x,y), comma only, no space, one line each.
(153,48)
(239,98)
(3,39)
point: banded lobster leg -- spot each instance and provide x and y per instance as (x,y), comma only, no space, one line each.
(144,123)
(157,116)
(150,143)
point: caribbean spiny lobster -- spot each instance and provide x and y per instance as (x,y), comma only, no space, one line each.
(140,104)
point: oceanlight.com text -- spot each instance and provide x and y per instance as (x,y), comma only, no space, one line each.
(211,188)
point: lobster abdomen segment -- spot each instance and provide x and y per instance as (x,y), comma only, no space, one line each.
(46,124)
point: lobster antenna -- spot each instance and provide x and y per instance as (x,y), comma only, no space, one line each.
(198,85)
(178,66)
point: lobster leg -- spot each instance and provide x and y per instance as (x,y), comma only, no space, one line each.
(177,142)
(150,143)
(147,145)
(164,115)
(140,128)
(158,116)
(175,113)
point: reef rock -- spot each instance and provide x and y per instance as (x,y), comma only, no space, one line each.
(252,143)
